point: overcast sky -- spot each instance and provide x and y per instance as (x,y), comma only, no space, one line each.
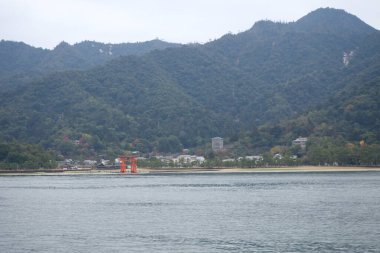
(45,23)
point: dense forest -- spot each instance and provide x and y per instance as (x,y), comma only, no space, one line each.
(318,77)
(21,63)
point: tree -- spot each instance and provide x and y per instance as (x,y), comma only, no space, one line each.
(169,144)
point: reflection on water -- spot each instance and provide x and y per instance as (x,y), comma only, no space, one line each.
(276,212)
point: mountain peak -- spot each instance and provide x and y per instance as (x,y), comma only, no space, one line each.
(266,27)
(63,44)
(330,20)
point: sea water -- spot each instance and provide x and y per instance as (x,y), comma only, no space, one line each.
(268,212)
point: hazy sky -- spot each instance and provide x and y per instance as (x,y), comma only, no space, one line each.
(45,23)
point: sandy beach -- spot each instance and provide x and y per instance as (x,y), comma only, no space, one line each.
(303,169)
(197,170)
(263,170)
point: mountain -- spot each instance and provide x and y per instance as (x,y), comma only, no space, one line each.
(20,62)
(333,21)
(257,89)
(18,57)
(353,112)
(87,54)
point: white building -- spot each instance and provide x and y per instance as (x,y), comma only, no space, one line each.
(254,157)
(89,162)
(300,141)
(104,162)
(217,144)
(188,159)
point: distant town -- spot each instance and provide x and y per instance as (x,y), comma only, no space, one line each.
(184,159)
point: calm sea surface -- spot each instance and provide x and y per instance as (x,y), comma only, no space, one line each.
(277,212)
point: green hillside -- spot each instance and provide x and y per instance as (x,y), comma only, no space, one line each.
(257,89)
(19,62)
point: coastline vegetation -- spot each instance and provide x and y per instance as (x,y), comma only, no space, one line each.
(14,156)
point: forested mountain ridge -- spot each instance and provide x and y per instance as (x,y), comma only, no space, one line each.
(19,61)
(257,89)
(18,57)
(351,113)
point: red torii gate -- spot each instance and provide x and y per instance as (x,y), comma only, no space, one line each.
(132,160)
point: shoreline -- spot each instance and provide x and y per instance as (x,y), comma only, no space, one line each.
(144,171)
